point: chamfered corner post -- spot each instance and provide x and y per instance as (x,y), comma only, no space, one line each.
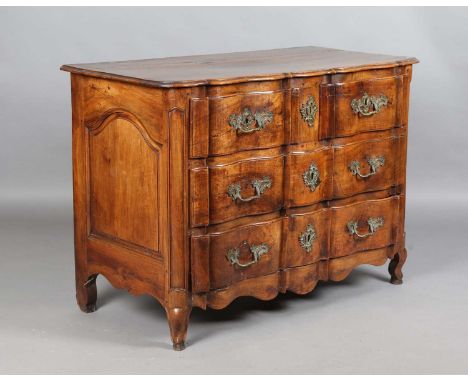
(178,300)
(86,293)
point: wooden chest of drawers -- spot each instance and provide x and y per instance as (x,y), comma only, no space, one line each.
(201,179)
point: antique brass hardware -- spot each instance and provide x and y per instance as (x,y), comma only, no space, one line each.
(374,163)
(259,185)
(373,223)
(308,111)
(307,238)
(257,251)
(312,177)
(368,105)
(248,122)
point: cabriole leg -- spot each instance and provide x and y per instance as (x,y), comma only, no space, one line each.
(178,319)
(395,266)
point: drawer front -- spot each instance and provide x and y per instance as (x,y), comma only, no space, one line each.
(307,238)
(363,226)
(368,105)
(306,110)
(238,254)
(308,176)
(246,121)
(245,187)
(366,166)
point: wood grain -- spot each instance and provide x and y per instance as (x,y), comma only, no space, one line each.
(228,68)
(221,272)
(124,171)
(263,288)
(299,162)
(340,268)
(295,254)
(302,280)
(155,151)
(344,243)
(345,183)
(235,170)
(348,122)
(209,179)
(224,139)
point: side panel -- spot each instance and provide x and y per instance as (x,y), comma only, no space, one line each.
(124,179)
(120,184)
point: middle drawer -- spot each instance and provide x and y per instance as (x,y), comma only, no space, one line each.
(262,181)
(242,186)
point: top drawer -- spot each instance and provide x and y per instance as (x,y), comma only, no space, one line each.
(266,115)
(368,105)
(239,122)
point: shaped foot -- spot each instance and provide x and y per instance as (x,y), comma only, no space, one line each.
(86,295)
(395,266)
(178,319)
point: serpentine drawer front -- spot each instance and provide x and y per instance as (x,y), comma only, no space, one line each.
(244,185)
(375,105)
(364,225)
(246,121)
(368,165)
(236,254)
(198,180)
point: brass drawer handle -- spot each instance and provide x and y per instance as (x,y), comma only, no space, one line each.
(374,163)
(373,223)
(248,122)
(312,177)
(308,111)
(257,251)
(259,185)
(368,105)
(307,238)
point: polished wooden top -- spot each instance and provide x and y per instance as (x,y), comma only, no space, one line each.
(227,68)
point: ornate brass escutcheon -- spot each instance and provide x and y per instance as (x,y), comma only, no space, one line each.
(307,238)
(248,122)
(308,111)
(312,177)
(259,185)
(368,105)
(257,251)
(374,163)
(373,223)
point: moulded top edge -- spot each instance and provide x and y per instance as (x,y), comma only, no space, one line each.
(231,68)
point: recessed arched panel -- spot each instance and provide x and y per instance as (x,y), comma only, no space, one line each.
(124,181)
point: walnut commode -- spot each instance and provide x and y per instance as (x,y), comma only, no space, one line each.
(201,179)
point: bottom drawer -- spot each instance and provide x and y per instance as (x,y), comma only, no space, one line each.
(364,225)
(220,259)
(307,238)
